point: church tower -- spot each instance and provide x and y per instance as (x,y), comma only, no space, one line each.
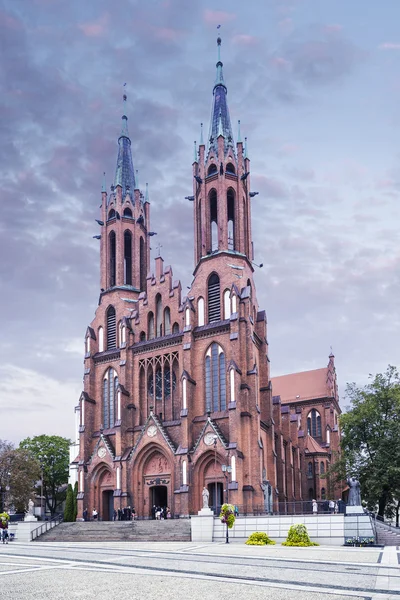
(221,184)
(125,222)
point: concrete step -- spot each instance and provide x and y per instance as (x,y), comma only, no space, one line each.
(177,530)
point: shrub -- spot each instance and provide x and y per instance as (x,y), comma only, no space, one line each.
(227,515)
(259,538)
(298,536)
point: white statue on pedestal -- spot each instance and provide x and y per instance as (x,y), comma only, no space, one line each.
(205,494)
(29,515)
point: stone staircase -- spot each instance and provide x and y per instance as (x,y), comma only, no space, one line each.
(169,530)
(386,535)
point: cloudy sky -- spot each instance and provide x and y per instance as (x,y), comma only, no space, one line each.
(316,84)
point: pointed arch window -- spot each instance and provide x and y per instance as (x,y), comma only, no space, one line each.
(314,423)
(128,213)
(110,385)
(159,315)
(322,468)
(101,339)
(227,304)
(328,435)
(230,198)
(212,169)
(111,328)
(111,214)
(214,299)
(128,258)
(142,260)
(112,257)
(150,328)
(200,312)
(215,376)
(309,470)
(230,168)
(167,321)
(213,220)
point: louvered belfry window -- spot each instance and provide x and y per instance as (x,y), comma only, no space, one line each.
(111,328)
(214,299)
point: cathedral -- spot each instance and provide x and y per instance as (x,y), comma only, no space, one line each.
(177,393)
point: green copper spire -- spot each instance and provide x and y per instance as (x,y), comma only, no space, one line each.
(137,180)
(239,139)
(146,197)
(201,135)
(124,173)
(195,152)
(220,127)
(219,80)
(103,187)
(220,119)
(245,148)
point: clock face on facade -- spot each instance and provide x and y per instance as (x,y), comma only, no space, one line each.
(101,452)
(152,430)
(209,439)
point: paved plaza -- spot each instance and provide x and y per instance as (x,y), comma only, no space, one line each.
(188,570)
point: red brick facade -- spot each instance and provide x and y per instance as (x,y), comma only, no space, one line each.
(175,387)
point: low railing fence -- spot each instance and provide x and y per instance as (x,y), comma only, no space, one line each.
(45,526)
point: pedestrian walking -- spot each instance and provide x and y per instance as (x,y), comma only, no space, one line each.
(314,507)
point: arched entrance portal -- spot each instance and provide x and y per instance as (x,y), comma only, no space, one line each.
(159,496)
(155,477)
(216,495)
(107,505)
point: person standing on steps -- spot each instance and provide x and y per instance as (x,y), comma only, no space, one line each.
(314,507)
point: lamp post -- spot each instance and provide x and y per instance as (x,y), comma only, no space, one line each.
(215,470)
(226,469)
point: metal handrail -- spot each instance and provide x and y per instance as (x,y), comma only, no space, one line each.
(46,525)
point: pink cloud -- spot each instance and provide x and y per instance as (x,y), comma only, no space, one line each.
(95,28)
(218,17)
(244,40)
(390,46)
(333,28)
(280,63)
(167,34)
(286,26)
(9,21)
(288,149)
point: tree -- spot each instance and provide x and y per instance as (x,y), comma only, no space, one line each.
(75,500)
(371,439)
(19,472)
(69,509)
(52,453)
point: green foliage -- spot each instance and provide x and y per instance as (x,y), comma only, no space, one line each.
(19,472)
(52,453)
(259,538)
(75,500)
(371,440)
(69,510)
(298,536)
(4,517)
(227,515)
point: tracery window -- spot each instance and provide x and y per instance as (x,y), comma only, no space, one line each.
(158,383)
(215,376)
(110,385)
(314,423)
(310,469)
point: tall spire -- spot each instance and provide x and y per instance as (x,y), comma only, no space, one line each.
(220,118)
(201,135)
(124,173)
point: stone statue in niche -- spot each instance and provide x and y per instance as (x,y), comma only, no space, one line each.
(354,491)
